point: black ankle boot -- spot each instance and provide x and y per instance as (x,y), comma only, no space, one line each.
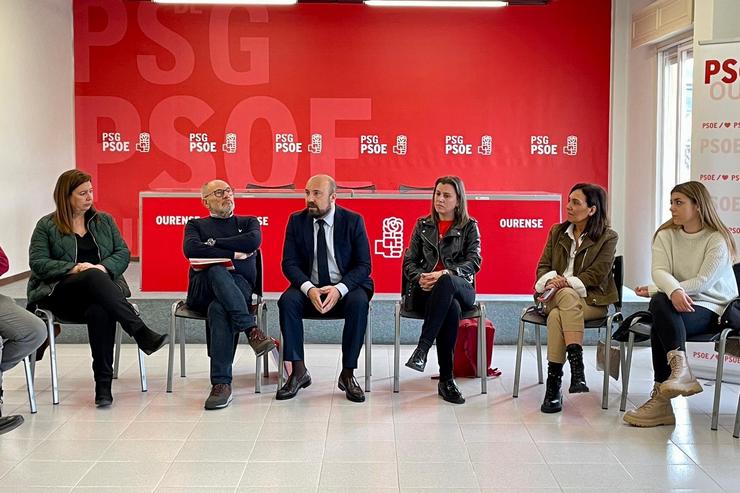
(553,402)
(418,359)
(103,394)
(577,371)
(149,341)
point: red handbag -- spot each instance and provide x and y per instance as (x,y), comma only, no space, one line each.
(466,349)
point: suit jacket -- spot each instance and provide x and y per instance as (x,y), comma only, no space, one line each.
(351,248)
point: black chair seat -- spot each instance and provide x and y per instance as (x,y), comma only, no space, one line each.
(533,317)
(708,337)
(184,311)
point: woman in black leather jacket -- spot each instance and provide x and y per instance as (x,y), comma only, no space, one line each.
(439,266)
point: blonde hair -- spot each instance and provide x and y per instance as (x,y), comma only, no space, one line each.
(708,217)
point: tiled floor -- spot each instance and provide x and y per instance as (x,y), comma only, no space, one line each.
(319,441)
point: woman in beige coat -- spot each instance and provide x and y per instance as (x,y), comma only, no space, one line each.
(574,280)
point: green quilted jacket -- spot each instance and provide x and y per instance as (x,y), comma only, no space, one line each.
(52,254)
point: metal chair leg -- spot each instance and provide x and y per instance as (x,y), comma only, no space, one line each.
(142,370)
(281,364)
(538,347)
(626,369)
(181,330)
(736,433)
(368,349)
(519,349)
(49,318)
(29,384)
(117,355)
(718,377)
(482,359)
(171,348)
(607,360)
(397,348)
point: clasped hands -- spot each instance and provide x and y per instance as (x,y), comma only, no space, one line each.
(557,282)
(331,296)
(682,302)
(429,279)
(82,266)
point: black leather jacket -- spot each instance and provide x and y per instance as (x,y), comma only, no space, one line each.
(459,250)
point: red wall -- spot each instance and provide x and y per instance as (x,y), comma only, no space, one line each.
(344,71)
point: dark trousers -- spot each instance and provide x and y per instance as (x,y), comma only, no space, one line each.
(352,307)
(442,308)
(93,298)
(671,328)
(225,297)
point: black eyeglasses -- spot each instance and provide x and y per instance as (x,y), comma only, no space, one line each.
(219,192)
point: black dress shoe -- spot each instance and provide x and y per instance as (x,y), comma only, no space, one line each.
(293,385)
(103,394)
(9,423)
(149,341)
(449,391)
(418,359)
(351,388)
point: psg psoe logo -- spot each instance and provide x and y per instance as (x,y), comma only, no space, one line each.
(401,147)
(486,146)
(540,145)
(144,144)
(391,244)
(315,146)
(229,146)
(571,146)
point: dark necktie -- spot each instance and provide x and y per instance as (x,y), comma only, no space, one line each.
(322,256)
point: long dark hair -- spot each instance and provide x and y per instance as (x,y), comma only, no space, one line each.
(461,210)
(66,184)
(595,197)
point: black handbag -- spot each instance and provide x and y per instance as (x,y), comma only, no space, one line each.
(730,318)
(623,332)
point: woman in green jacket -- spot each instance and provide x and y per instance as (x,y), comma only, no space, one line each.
(77,259)
(575,282)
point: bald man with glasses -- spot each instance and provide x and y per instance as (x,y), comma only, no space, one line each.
(223,294)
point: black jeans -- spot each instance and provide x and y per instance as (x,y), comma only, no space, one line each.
(671,328)
(442,308)
(93,298)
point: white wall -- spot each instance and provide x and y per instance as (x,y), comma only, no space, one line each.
(638,199)
(726,18)
(36,115)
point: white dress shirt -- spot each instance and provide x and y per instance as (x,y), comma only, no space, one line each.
(334,275)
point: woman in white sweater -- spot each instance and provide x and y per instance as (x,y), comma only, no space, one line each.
(692,261)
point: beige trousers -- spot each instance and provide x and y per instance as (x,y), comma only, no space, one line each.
(566,312)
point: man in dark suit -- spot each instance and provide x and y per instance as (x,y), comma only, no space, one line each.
(326,258)
(224,294)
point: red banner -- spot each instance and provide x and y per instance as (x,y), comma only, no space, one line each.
(169,97)
(513,232)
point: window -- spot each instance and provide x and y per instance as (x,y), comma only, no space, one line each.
(675,72)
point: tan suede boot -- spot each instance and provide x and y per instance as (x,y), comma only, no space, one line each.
(656,411)
(681,381)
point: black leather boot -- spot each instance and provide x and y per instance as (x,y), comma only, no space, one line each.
(553,402)
(103,394)
(149,341)
(577,370)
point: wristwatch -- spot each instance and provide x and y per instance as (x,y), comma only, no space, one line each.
(210,242)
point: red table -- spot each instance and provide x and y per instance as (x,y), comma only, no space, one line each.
(513,229)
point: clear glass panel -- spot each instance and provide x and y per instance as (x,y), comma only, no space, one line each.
(667,136)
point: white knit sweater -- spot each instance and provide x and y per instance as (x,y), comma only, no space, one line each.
(699,263)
